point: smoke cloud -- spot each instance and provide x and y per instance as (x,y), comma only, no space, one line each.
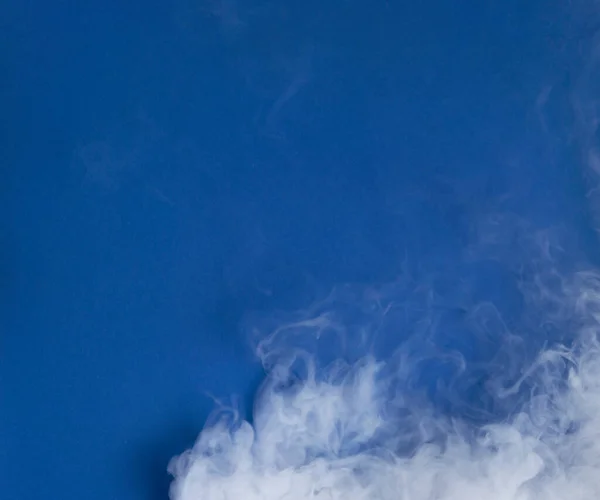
(511,420)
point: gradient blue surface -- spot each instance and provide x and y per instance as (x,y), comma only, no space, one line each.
(171,168)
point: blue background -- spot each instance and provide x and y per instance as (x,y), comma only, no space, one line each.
(170,168)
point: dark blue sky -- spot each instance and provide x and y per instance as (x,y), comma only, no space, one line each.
(171,168)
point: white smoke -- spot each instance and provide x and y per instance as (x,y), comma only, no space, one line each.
(359,430)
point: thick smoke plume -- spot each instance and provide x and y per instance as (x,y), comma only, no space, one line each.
(431,421)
